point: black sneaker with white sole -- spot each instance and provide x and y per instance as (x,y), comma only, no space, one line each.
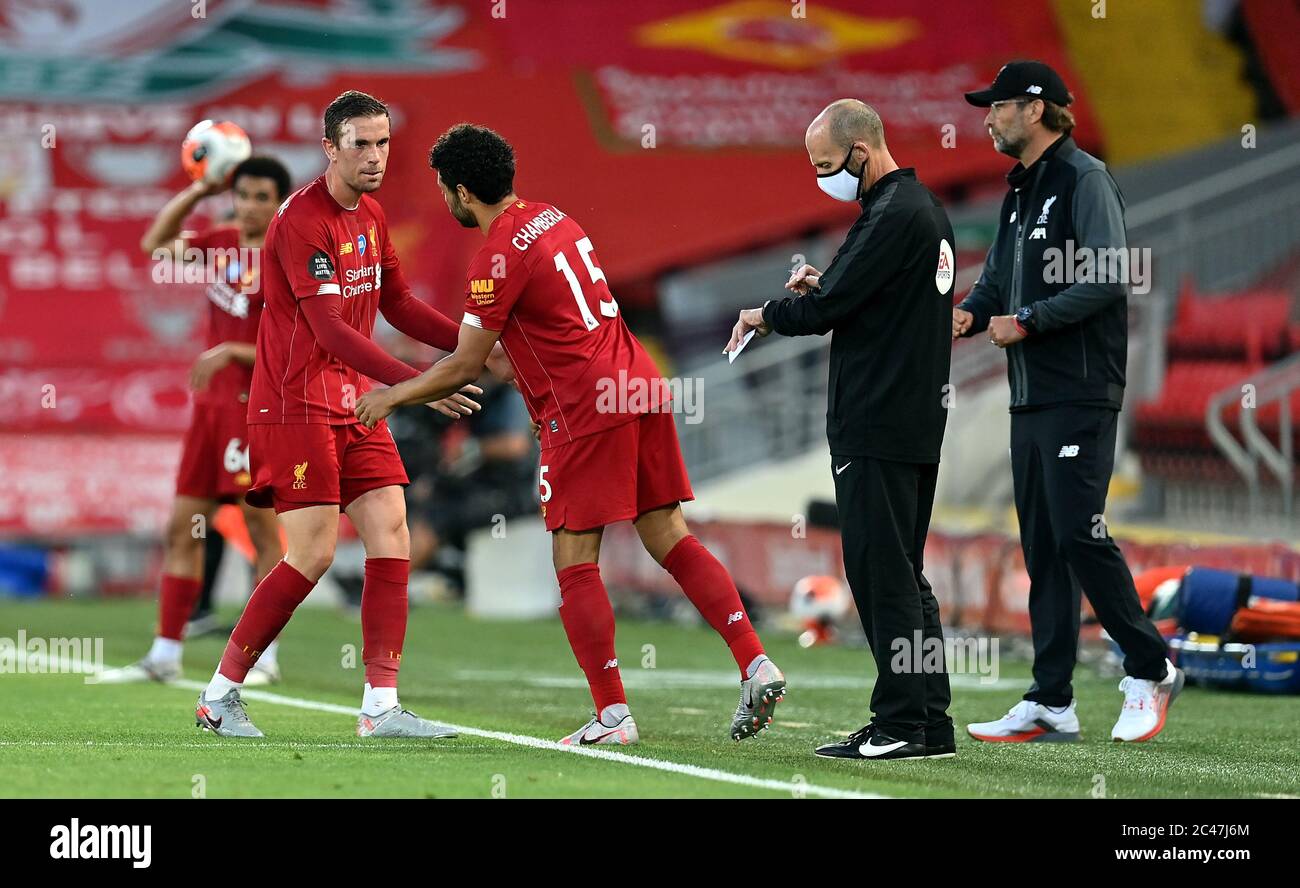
(943,750)
(871,742)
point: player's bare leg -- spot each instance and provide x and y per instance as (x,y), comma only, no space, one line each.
(311,533)
(380,519)
(264,531)
(588,621)
(182,579)
(710,588)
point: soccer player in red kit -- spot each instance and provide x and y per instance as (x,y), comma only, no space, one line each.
(536,286)
(214,456)
(329,265)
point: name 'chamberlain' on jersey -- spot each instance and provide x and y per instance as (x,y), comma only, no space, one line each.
(536,280)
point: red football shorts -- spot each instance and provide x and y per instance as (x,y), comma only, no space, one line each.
(313,464)
(614,475)
(214,455)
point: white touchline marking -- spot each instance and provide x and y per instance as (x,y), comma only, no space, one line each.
(588,751)
(675,679)
(193,744)
(788,786)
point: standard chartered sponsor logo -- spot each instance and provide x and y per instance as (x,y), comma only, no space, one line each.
(357,282)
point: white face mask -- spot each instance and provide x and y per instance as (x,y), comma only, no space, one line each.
(841,184)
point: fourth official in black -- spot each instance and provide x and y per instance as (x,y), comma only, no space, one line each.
(887,297)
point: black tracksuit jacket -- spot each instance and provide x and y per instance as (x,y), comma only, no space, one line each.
(1065,201)
(887,295)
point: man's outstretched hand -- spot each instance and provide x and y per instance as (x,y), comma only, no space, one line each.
(375,405)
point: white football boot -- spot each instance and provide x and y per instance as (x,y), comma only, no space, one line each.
(614,726)
(399,722)
(759,695)
(1145,705)
(1030,722)
(142,671)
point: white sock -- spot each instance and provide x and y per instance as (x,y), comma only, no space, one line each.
(268,658)
(220,686)
(614,713)
(165,650)
(376,701)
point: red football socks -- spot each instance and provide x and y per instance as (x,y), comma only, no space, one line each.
(589,622)
(268,611)
(176,599)
(383,619)
(711,589)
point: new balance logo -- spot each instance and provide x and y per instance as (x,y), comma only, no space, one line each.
(735,618)
(1068,451)
(612,664)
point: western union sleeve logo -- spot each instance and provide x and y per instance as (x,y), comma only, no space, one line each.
(483,291)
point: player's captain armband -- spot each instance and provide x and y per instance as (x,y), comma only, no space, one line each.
(320,267)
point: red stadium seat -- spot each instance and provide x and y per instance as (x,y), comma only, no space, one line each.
(1252,326)
(1175,419)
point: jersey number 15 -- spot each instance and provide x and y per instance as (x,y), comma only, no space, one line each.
(608,309)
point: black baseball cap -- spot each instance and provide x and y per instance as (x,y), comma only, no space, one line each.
(1023,78)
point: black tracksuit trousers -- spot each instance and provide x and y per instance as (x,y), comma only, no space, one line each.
(884,509)
(1061,462)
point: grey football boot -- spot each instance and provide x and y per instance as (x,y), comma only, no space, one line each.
(141,671)
(759,695)
(225,717)
(399,722)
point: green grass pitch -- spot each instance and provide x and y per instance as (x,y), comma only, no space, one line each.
(517,683)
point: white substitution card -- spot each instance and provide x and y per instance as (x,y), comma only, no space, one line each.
(732,355)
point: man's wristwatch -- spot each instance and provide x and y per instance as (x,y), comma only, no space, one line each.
(1025,320)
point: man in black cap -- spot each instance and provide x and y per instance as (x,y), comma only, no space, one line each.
(1066,339)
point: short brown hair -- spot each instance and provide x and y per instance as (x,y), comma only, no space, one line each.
(352,103)
(1058,118)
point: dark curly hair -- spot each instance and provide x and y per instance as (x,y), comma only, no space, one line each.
(476,157)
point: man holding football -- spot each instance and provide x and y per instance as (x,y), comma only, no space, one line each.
(329,267)
(536,286)
(214,456)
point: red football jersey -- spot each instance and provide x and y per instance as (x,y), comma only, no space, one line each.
(314,246)
(234,308)
(537,281)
